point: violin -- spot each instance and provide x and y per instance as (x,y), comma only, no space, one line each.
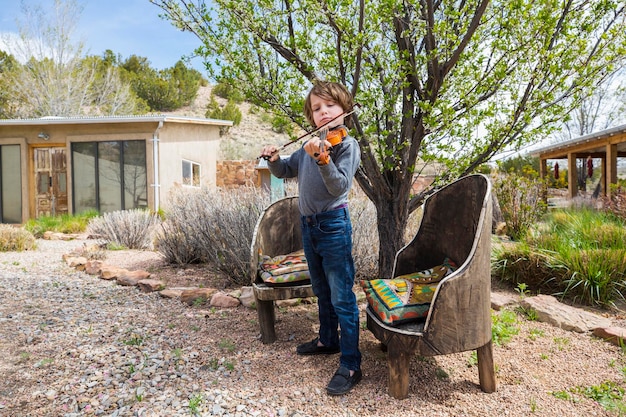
(333,134)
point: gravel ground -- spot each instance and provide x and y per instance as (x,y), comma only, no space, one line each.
(75,345)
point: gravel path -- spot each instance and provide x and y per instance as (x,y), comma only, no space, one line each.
(74,345)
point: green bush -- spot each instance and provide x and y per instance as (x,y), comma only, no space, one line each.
(227,91)
(130,229)
(65,223)
(578,254)
(229,112)
(15,239)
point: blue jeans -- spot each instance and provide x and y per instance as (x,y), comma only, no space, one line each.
(327,242)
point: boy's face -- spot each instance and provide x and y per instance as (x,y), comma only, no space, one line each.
(325,110)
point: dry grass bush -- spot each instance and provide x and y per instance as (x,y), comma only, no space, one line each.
(213,227)
(131,229)
(364,235)
(216,227)
(15,239)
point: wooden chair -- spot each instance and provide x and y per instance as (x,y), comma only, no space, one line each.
(277,232)
(456,223)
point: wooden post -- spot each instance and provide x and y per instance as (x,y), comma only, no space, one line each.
(267,317)
(486,371)
(398,361)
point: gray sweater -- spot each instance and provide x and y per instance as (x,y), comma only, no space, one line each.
(321,188)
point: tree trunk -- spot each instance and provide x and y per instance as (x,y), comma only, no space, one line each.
(391,225)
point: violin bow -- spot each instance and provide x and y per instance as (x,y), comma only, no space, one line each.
(314,131)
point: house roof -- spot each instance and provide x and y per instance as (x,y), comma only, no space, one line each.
(53,120)
(593,142)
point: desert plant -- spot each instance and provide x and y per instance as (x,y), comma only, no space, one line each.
(15,239)
(128,228)
(521,201)
(216,227)
(212,226)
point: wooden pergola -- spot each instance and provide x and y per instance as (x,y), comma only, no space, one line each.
(607,145)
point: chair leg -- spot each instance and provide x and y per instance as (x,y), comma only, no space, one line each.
(398,360)
(486,372)
(267,317)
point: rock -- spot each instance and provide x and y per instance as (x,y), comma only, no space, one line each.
(247,297)
(170,293)
(132,278)
(224,300)
(93,267)
(291,302)
(197,295)
(111,272)
(550,310)
(150,285)
(77,262)
(500,300)
(615,335)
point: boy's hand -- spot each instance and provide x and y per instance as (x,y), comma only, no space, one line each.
(317,148)
(270,153)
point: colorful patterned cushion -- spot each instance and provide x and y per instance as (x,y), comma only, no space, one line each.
(407,297)
(290,269)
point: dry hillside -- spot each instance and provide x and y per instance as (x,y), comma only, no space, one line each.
(243,141)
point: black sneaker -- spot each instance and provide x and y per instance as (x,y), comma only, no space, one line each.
(311,348)
(342,382)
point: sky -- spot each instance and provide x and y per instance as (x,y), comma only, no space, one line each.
(126,27)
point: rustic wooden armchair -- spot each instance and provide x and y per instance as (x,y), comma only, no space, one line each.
(456,224)
(277,232)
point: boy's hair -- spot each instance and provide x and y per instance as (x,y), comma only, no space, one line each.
(329,91)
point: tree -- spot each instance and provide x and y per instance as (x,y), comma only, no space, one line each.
(163,90)
(56,80)
(450,82)
(8,63)
(603,108)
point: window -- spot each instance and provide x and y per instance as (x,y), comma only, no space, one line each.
(109,176)
(10,184)
(191,173)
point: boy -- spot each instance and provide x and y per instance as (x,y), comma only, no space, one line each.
(325,175)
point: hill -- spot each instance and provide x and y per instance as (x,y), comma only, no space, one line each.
(243,141)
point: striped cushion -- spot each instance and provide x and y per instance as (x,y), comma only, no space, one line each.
(406,297)
(290,269)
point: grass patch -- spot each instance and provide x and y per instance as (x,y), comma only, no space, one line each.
(64,223)
(578,254)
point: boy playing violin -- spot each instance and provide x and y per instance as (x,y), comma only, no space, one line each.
(325,168)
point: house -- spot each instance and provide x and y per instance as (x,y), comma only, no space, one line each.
(57,165)
(607,146)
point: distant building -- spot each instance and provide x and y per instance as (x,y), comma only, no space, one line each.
(608,145)
(58,165)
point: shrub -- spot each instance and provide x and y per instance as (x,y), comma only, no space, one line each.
(125,228)
(521,201)
(65,223)
(229,112)
(577,254)
(364,236)
(213,227)
(615,203)
(216,227)
(15,239)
